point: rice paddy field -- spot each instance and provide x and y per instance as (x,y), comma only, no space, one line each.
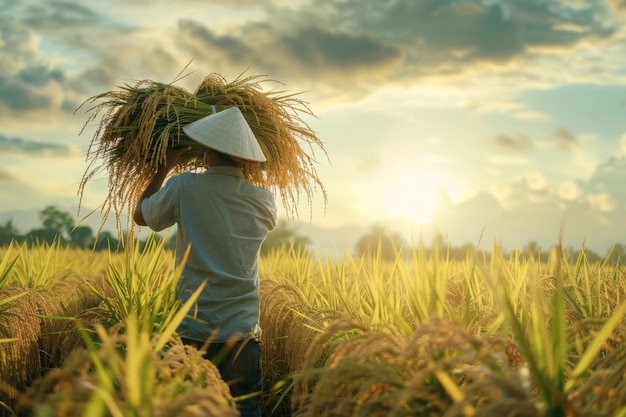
(93,334)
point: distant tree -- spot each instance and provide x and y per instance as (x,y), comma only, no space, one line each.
(380,240)
(56,225)
(533,249)
(8,232)
(42,235)
(106,241)
(284,236)
(462,252)
(82,237)
(56,222)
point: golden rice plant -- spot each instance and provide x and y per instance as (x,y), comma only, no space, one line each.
(290,321)
(131,368)
(437,370)
(20,363)
(550,320)
(39,328)
(129,372)
(38,300)
(50,273)
(139,122)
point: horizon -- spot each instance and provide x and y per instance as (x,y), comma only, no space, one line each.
(324,241)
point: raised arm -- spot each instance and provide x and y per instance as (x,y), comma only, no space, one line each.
(155,184)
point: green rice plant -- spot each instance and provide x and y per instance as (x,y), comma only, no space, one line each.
(7,262)
(142,284)
(422,283)
(45,265)
(471,301)
(293,312)
(20,361)
(539,327)
(593,290)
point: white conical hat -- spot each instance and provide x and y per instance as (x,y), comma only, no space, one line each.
(228,132)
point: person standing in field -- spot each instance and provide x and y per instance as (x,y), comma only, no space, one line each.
(223,219)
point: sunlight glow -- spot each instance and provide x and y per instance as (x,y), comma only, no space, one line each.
(415,195)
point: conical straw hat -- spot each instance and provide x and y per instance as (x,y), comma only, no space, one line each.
(228,132)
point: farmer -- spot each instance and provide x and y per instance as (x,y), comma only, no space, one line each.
(223,219)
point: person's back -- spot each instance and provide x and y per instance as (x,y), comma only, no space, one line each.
(223,219)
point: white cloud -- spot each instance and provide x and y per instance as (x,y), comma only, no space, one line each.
(570,191)
(535,180)
(603,202)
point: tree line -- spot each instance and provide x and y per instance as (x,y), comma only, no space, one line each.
(388,246)
(58,226)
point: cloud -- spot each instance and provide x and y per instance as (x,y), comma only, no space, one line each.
(29,85)
(565,139)
(346,49)
(531,208)
(452,38)
(202,41)
(30,147)
(608,178)
(517,143)
(61,15)
(603,202)
(6,177)
(570,191)
(321,55)
(315,48)
(618,5)
(366,42)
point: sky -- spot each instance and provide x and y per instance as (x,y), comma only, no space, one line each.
(480,120)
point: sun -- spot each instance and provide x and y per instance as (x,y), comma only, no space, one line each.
(414,195)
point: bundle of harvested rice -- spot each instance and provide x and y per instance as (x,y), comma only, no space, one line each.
(141,122)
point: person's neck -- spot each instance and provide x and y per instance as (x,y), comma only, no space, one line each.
(226,164)
(213,160)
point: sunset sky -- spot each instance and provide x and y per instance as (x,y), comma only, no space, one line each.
(482,120)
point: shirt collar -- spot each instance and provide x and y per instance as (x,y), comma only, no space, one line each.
(225,170)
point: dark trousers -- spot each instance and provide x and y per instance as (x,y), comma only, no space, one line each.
(240,367)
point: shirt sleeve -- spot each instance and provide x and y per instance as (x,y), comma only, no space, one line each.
(161,209)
